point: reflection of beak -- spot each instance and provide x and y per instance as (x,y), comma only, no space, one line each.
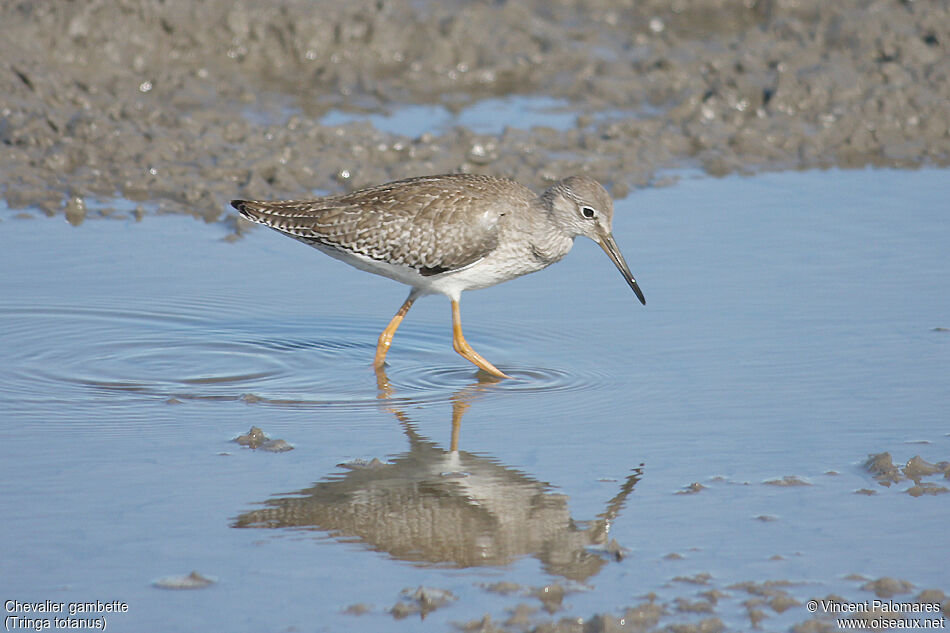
(607,243)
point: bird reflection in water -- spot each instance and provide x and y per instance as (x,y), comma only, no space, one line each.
(429,505)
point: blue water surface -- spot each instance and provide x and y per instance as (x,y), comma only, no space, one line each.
(795,323)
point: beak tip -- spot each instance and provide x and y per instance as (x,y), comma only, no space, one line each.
(640,296)
(610,247)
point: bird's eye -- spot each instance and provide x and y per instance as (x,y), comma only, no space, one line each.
(588,212)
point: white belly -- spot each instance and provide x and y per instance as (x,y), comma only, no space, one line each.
(504,263)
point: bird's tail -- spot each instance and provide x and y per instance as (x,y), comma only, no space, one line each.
(246,208)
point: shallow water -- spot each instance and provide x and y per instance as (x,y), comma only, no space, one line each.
(795,323)
(482,117)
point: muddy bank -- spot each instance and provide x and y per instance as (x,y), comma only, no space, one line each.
(698,604)
(186,105)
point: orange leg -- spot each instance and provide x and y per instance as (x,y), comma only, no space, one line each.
(465,350)
(386,338)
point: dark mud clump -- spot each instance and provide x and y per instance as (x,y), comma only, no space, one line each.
(887,587)
(776,604)
(182,105)
(194,580)
(691,489)
(421,601)
(256,439)
(788,481)
(886,473)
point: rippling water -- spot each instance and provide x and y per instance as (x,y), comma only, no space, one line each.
(208,351)
(795,323)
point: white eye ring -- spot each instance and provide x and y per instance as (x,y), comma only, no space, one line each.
(588,212)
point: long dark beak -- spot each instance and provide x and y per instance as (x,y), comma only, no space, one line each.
(607,243)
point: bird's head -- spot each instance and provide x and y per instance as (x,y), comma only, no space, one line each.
(581,206)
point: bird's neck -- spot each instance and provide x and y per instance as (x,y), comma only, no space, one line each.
(549,242)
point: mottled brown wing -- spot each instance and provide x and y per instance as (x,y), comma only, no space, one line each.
(433,224)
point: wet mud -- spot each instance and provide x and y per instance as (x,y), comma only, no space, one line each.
(257,439)
(181,106)
(194,580)
(710,608)
(916,471)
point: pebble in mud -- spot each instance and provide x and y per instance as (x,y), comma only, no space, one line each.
(815,626)
(917,468)
(521,616)
(782,602)
(614,550)
(691,489)
(935,596)
(883,469)
(257,440)
(683,605)
(551,597)
(194,580)
(421,601)
(276,446)
(363,464)
(360,608)
(484,625)
(75,210)
(644,616)
(702,578)
(887,587)
(773,591)
(504,588)
(252,439)
(756,615)
(788,481)
(926,488)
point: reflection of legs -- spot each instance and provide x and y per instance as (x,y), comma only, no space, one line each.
(385,390)
(459,407)
(386,338)
(465,350)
